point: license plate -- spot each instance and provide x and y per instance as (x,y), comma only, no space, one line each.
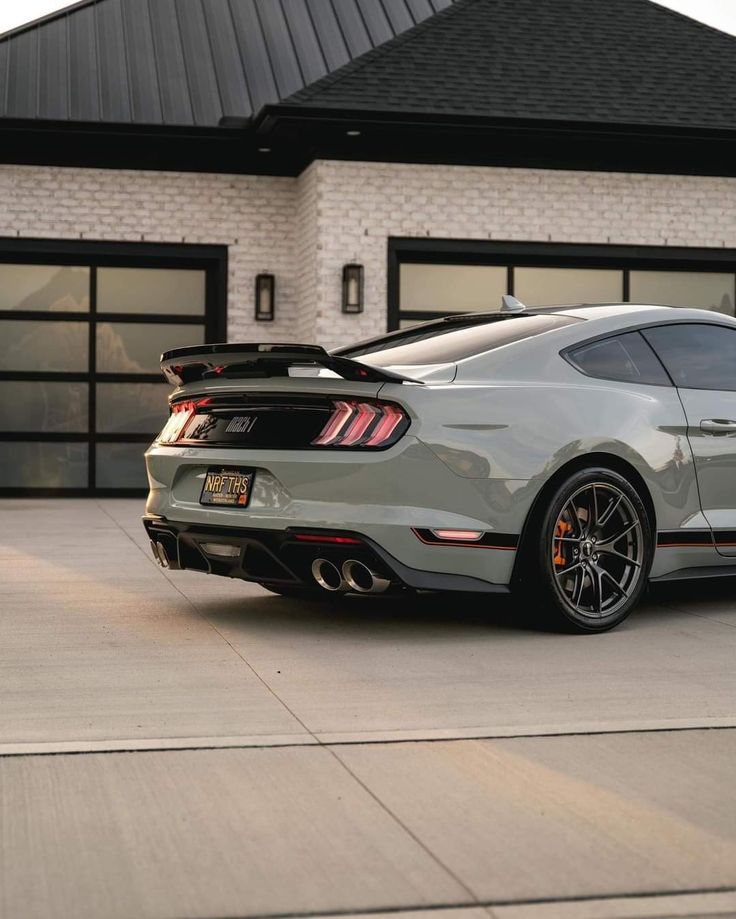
(226,486)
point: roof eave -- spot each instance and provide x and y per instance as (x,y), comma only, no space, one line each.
(270,116)
(284,139)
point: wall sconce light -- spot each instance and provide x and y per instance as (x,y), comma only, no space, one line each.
(265,297)
(352,288)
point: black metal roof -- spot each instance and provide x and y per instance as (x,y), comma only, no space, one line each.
(600,61)
(623,85)
(186,62)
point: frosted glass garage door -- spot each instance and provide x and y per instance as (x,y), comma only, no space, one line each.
(81,392)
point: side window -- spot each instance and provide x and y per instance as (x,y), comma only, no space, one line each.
(626,357)
(697,356)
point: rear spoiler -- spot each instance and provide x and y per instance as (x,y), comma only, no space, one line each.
(247,360)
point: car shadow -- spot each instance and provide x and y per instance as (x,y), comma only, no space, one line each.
(412,614)
(438,613)
(705,590)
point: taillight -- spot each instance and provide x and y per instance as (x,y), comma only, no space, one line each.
(327,538)
(362,424)
(181,414)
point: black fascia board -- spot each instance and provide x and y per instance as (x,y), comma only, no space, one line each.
(134,146)
(419,137)
(280,111)
(284,139)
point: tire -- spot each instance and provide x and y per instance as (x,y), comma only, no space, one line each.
(591,556)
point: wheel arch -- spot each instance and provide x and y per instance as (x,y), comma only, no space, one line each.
(594,459)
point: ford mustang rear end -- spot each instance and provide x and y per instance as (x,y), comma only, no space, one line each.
(303,471)
(574,452)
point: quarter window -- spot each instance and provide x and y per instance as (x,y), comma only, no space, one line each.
(697,356)
(626,358)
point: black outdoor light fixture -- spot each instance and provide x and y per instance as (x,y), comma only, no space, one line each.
(265,297)
(352,288)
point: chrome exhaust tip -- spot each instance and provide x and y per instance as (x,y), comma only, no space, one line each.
(362,580)
(159,553)
(327,575)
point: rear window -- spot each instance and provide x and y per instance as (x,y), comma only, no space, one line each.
(626,357)
(452,340)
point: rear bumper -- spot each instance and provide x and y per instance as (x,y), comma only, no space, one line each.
(278,557)
(384,497)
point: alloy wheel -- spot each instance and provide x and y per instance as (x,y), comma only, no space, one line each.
(597,550)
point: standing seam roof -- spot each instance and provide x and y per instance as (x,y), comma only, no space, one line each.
(187,62)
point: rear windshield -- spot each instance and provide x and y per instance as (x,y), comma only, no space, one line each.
(452,340)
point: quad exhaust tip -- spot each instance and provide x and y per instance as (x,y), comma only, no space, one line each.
(328,575)
(361,579)
(354,576)
(159,553)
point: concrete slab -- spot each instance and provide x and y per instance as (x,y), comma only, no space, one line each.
(358,670)
(96,645)
(420,667)
(203,834)
(102,650)
(563,817)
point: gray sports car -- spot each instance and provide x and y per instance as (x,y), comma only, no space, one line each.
(572,453)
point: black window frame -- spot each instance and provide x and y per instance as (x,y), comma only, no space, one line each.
(513,254)
(93,254)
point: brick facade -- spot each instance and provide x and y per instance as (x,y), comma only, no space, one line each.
(252,215)
(362,204)
(303,230)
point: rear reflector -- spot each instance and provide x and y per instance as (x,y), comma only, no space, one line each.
(321,537)
(464,535)
(362,424)
(222,549)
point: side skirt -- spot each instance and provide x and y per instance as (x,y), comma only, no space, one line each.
(692,574)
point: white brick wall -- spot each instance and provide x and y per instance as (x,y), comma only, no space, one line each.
(304,230)
(362,204)
(252,215)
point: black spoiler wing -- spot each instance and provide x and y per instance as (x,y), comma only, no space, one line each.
(248,360)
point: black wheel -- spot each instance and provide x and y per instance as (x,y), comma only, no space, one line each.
(593,553)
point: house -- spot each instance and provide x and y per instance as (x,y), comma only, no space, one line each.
(179,171)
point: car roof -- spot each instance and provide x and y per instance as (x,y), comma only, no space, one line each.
(643,312)
(590,311)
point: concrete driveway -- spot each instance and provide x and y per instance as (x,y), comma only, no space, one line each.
(174,745)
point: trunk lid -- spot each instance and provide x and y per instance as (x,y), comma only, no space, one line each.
(279,397)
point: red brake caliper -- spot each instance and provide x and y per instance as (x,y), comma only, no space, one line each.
(563,527)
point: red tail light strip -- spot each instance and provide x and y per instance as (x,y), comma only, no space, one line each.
(352,423)
(360,424)
(181,414)
(392,417)
(366,415)
(339,418)
(326,538)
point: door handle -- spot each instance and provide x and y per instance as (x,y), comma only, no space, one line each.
(715,426)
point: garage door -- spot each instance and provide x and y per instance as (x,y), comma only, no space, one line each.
(427,279)
(81,394)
